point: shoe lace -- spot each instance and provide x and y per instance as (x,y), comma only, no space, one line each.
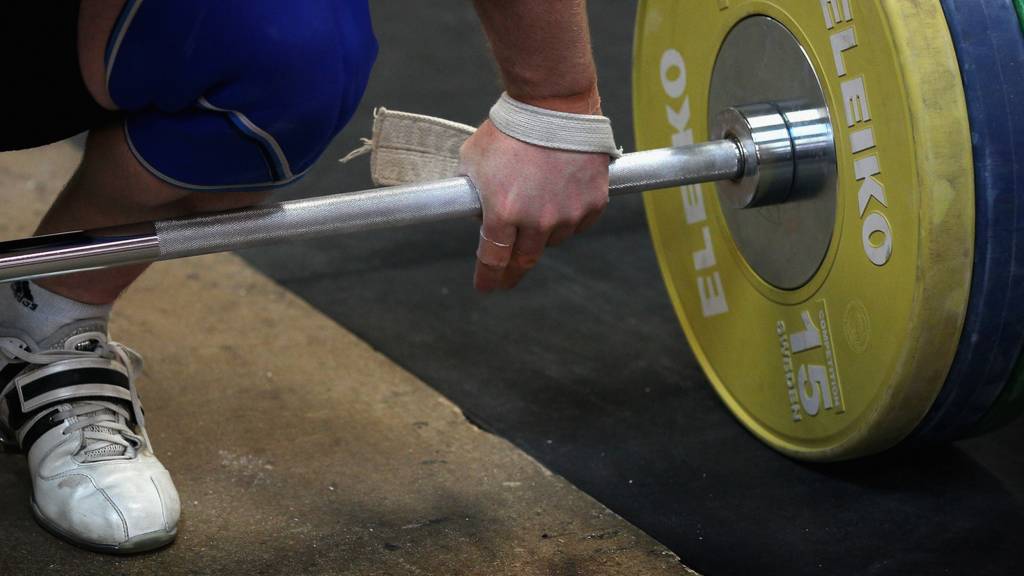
(104,425)
(105,431)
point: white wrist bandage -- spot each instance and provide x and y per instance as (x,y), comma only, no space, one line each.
(553,129)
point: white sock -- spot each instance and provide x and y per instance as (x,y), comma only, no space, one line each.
(38,312)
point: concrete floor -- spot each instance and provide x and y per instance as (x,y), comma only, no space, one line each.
(299,449)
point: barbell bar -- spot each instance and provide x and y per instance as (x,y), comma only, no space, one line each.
(757,153)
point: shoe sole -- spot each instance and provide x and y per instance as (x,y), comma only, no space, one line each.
(145,543)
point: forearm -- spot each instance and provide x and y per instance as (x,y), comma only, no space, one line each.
(543,51)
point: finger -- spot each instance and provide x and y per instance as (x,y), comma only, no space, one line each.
(493,254)
(525,255)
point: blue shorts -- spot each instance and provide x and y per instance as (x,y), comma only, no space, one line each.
(237,94)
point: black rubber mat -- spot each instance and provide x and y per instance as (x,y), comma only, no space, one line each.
(585,367)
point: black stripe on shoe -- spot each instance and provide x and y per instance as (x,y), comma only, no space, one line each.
(73,377)
(46,423)
(42,426)
(15,417)
(46,384)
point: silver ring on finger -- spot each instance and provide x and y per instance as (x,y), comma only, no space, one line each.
(496,243)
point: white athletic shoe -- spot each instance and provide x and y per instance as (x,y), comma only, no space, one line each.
(70,403)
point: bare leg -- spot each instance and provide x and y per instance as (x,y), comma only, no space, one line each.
(111,188)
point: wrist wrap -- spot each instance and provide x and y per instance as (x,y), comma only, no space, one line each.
(553,129)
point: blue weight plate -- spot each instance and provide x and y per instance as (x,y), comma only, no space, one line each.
(990,51)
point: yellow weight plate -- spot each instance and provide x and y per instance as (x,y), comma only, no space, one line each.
(847,363)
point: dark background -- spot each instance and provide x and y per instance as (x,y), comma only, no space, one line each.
(584,366)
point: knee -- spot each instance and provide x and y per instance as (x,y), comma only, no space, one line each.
(309,79)
(253,101)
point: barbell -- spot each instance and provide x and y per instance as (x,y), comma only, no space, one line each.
(853,284)
(755,153)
